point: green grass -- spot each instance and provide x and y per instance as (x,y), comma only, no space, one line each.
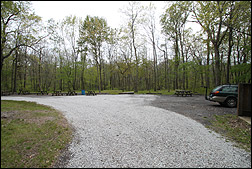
(32,135)
(110,91)
(21,106)
(235,129)
(163,92)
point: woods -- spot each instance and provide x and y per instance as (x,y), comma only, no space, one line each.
(86,53)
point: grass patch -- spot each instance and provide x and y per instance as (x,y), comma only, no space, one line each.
(32,135)
(163,92)
(235,129)
(110,91)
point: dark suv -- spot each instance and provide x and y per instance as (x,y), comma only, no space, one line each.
(226,95)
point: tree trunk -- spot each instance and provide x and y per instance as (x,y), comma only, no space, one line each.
(155,65)
(12,75)
(104,76)
(217,65)
(176,61)
(55,77)
(15,73)
(207,69)
(25,68)
(183,59)
(39,73)
(230,45)
(61,74)
(136,77)
(75,74)
(100,77)
(165,60)
(82,72)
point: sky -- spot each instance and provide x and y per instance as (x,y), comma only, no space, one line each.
(110,10)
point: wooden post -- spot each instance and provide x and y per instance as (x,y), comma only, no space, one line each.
(244,100)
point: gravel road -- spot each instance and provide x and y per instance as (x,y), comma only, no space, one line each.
(128,131)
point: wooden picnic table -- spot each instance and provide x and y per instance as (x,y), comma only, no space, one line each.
(24,92)
(42,92)
(91,92)
(57,93)
(5,93)
(183,93)
(71,93)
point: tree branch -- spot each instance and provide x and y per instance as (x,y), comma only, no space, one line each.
(10,17)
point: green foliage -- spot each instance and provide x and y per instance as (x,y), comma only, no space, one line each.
(244,70)
(175,17)
(93,31)
(16,20)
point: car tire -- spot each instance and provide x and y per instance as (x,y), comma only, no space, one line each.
(231,102)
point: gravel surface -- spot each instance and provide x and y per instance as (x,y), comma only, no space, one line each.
(196,107)
(128,131)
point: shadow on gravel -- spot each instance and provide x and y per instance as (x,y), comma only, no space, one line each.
(195,107)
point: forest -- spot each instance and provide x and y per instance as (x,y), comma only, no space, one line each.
(87,54)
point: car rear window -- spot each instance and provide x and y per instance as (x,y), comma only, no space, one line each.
(230,89)
(219,88)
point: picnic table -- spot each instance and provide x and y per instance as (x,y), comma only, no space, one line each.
(57,93)
(71,93)
(24,92)
(183,93)
(91,92)
(5,93)
(42,92)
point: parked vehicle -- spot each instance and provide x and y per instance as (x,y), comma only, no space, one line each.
(225,95)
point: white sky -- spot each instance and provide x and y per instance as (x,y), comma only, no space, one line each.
(109,10)
(106,9)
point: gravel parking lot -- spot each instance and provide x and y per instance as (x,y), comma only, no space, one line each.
(195,107)
(136,131)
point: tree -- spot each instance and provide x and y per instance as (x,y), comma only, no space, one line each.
(220,19)
(134,14)
(173,24)
(150,27)
(93,32)
(82,54)
(71,33)
(15,17)
(112,48)
(212,16)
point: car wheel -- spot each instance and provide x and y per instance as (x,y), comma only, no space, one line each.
(231,102)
